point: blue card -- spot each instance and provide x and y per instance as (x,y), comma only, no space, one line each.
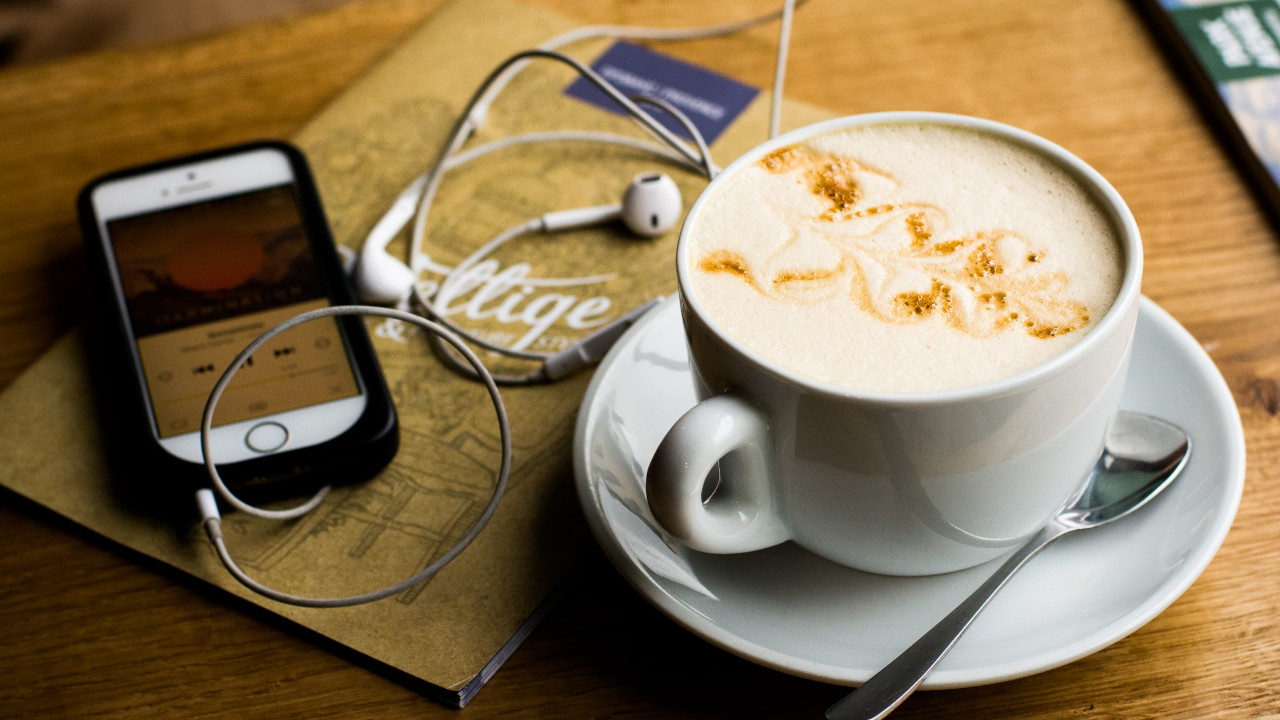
(711,100)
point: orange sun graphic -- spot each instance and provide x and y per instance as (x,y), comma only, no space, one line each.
(215,260)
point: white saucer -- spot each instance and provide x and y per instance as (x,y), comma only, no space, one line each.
(790,610)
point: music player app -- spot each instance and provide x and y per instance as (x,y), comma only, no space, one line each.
(201,281)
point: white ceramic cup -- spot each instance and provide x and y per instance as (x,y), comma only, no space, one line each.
(892,483)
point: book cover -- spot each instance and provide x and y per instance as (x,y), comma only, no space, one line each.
(1228,54)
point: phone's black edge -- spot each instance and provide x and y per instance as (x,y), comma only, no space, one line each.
(1204,94)
(355,455)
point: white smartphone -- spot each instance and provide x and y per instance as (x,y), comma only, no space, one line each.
(201,255)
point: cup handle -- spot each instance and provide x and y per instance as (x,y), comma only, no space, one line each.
(742,514)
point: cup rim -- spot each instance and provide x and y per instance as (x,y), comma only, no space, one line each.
(1102,190)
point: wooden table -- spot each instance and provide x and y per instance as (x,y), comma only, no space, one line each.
(86,630)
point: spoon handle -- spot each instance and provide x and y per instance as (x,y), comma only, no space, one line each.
(888,688)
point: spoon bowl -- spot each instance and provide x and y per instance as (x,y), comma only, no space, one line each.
(1141,457)
(1143,454)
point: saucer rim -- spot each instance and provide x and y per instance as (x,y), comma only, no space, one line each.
(1165,594)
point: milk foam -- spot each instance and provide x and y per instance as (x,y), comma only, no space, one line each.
(905,258)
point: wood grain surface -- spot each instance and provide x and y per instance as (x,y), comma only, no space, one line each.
(89,631)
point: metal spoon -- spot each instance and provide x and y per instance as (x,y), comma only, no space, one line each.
(1142,456)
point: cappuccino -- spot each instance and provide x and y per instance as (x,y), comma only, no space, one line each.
(904,257)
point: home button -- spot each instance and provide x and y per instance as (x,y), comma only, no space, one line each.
(266,437)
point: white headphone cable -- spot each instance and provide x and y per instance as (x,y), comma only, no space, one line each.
(707,167)
(592,348)
(420,192)
(477,109)
(414,189)
(559,364)
(780,68)
(205,500)
(403,208)
(458,135)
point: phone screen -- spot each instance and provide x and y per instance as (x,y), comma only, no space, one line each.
(201,281)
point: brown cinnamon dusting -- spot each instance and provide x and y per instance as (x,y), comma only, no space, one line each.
(725,261)
(780,160)
(938,299)
(946,248)
(918,226)
(983,262)
(814,276)
(834,182)
(830,178)
(1045,331)
(995,300)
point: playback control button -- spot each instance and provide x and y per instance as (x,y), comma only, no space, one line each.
(266,437)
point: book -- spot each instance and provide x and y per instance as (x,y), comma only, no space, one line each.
(1227,52)
(447,636)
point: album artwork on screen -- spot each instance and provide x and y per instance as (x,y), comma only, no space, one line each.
(201,281)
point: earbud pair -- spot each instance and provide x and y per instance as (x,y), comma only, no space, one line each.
(651,205)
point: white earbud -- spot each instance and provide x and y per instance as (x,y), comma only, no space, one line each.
(381,279)
(651,205)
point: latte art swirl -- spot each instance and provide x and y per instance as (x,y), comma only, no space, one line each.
(962,237)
